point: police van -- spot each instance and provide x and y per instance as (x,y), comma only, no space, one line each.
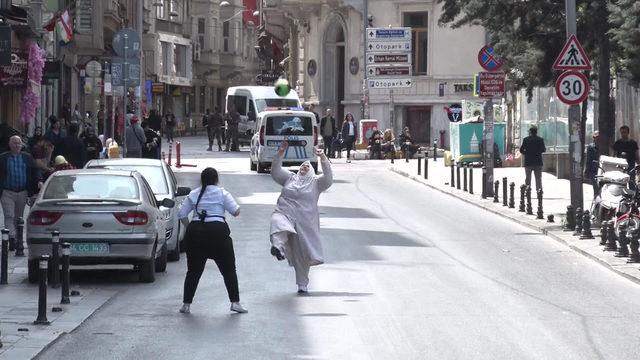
(252,100)
(273,126)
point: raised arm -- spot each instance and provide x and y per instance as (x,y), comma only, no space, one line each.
(326,179)
(279,174)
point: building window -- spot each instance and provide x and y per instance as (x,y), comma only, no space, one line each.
(165,57)
(237,33)
(159,5)
(201,31)
(174,15)
(202,99)
(180,60)
(419,23)
(215,35)
(225,36)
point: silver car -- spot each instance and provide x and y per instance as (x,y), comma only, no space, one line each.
(108,216)
(164,185)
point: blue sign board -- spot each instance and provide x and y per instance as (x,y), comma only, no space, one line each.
(402,33)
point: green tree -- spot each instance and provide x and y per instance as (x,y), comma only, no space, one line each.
(624,18)
(528,35)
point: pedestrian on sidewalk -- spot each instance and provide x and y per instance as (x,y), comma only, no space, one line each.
(208,237)
(349,134)
(206,119)
(295,223)
(328,131)
(18,182)
(532,148)
(592,163)
(628,149)
(233,121)
(169,126)
(216,126)
(135,139)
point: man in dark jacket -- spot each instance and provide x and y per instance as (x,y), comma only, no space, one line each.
(233,121)
(532,149)
(18,182)
(328,131)
(592,162)
(216,126)
(206,123)
(74,150)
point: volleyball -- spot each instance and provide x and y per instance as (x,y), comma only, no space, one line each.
(282,87)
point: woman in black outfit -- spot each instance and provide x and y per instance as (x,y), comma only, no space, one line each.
(349,133)
(207,237)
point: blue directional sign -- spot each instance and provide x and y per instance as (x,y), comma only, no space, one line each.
(399,33)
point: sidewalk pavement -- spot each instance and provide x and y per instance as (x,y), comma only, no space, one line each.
(19,308)
(555,200)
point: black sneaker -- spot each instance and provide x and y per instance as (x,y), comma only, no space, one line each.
(277,253)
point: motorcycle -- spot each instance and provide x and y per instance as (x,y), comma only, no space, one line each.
(613,182)
(628,213)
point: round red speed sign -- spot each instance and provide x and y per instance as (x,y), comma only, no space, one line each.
(572,87)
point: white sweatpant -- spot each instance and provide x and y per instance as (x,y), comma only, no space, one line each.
(279,240)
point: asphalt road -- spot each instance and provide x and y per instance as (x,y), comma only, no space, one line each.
(411,274)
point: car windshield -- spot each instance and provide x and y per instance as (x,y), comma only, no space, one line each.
(91,186)
(262,104)
(289,125)
(153,174)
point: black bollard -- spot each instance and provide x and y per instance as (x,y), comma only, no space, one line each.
(42,293)
(611,237)
(634,257)
(586,226)
(623,241)
(523,189)
(471,179)
(435,152)
(484,182)
(496,185)
(570,224)
(453,182)
(505,199)
(55,259)
(604,232)
(529,207)
(426,167)
(464,183)
(20,238)
(550,218)
(512,195)
(4,271)
(419,166)
(458,176)
(540,213)
(578,228)
(406,155)
(66,253)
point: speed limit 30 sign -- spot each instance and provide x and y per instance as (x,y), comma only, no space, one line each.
(572,87)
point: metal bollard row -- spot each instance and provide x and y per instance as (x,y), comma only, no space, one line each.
(512,194)
(578,227)
(20,238)
(634,246)
(55,260)
(465,180)
(523,190)
(570,224)
(471,179)
(452,182)
(586,226)
(504,192)
(419,166)
(611,237)
(623,242)
(42,292)
(66,254)
(604,233)
(426,167)
(496,185)
(484,182)
(458,176)
(539,213)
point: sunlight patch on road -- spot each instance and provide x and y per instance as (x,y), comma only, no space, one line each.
(260,198)
(382,225)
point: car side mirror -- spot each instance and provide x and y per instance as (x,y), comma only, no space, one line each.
(183,191)
(168,203)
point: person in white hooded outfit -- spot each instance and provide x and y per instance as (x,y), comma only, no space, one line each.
(295,223)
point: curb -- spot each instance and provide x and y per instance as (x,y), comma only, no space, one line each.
(553,234)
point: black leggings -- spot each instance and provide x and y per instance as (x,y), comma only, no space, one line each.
(204,241)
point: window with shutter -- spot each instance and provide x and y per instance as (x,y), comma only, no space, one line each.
(84,14)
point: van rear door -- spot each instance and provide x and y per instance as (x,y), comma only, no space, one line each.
(297,129)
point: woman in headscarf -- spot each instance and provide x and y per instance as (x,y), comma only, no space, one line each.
(295,223)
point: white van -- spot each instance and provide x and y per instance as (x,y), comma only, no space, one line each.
(274,126)
(252,100)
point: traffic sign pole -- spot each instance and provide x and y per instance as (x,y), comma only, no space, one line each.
(488,140)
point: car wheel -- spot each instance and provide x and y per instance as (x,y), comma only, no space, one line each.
(33,271)
(253,166)
(147,269)
(174,255)
(161,261)
(261,168)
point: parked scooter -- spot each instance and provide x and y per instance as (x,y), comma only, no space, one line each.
(613,182)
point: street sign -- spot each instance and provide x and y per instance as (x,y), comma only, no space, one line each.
(133,43)
(398,33)
(572,56)
(572,87)
(373,58)
(491,84)
(388,70)
(488,59)
(93,68)
(389,45)
(384,83)
(118,72)
(454,112)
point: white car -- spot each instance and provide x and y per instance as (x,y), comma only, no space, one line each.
(273,127)
(164,185)
(108,217)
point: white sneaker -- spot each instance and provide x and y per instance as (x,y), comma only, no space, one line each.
(235,306)
(185,309)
